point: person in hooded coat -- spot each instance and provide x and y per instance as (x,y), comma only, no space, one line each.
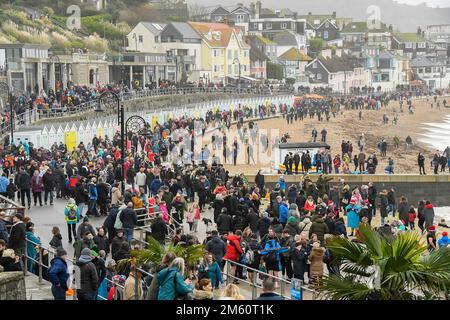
(292,227)
(429,215)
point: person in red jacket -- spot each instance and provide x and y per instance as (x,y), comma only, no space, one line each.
(309,205)
(234,250)
(411,217)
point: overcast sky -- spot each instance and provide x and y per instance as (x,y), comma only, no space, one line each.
(431,3)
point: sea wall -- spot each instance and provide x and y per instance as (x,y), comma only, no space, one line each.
(435,188)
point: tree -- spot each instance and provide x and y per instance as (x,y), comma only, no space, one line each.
(386,268)
(316,45)
(274,71)
(153,254)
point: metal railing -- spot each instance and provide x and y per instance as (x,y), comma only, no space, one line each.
(41,265)
(35,114)
(285,285)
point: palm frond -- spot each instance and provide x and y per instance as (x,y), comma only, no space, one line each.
(343,288)
(345,249)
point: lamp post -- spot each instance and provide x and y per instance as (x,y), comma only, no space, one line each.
(4,87)
(109,99)
(236,61)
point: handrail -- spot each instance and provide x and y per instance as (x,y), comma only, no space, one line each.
(41,265)
(257,272)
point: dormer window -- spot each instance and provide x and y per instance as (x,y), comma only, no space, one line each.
(317,22)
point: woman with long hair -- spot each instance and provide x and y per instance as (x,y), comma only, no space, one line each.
(232,292)
(203,290)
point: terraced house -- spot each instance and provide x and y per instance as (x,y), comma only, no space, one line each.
(409,44)
(224,54)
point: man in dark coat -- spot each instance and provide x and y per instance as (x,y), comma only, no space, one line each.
(17,237)
(216,246)
(23,182)
(102,196)
(49,185)
(252,219)
(159,229)
(88,277)
(320,228)
(224,222)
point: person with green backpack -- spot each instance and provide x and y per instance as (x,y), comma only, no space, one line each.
(72,214)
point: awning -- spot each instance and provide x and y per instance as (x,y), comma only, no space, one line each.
(249,78)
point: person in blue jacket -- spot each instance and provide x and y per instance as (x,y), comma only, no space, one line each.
(284,212)
(93,196)
(271,253)
(171,281)
(353,215)
(210,269)
(155,186)
(58,275)
(444,241)
(282,183)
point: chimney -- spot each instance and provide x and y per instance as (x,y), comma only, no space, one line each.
(240,4)
(334,14)
(309,13)
(252,9)
(391,28)
(258,9)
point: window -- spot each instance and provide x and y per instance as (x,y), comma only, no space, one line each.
(141,39)
(327,25)
(230,69)
(408,45)
(421,45)
(420,70)
(319,76)
(284,25)
(325,34)
(236,54)
(216,68)
(255,25)
(315,65)
(268,26)
(319,34)
(245,53)
(230,54)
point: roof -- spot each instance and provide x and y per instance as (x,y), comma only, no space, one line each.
(224,30)
(408,37)
(422,61)
(294,54)
(385,55)
(336,64)
(303,145)
(285,38)
(186,30)
(265,40)
(311,17)
(360,27)
(154,27)
(286,12)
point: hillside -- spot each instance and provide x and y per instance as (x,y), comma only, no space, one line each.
(16,25)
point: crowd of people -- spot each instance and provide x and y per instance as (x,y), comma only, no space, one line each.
(281,230)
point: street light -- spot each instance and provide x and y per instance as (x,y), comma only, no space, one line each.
(5,88)
(109,99)
(236,61)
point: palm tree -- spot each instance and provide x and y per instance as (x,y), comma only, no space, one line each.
(155,251)
(386,268)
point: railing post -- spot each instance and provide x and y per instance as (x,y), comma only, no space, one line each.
(254,287)
(136,284)
(25,267)
(282,290)
(40,264)
(227,266)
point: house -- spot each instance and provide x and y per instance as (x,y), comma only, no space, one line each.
(185,44)
(289,39)
(322,26)
(438,33)
(240,15)
(267,22)
(385,70)
(258,63)
(267,46)
(338,71)
(144,37)
(434,73)
(356,35)
(176,39)
(409,44)
(224,53)
(294,63)
(32,67)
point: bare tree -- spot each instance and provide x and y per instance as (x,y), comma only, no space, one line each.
(197,11)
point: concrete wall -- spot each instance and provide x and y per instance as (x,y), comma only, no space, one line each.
(12,286)
(435,188)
